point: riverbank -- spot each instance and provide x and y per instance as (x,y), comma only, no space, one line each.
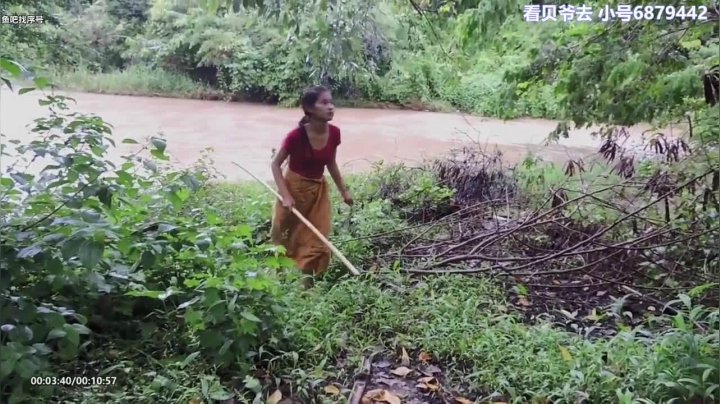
(142,81)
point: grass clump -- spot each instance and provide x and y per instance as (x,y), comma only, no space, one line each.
(136,80)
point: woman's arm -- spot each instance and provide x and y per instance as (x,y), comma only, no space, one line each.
(335,174)
(337,178)
(276,167)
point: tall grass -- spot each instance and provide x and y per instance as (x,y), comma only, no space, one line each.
(466,324)
(136,80)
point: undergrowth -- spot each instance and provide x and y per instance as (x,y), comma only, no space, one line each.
(468,324)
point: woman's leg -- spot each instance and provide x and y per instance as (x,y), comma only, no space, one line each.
(307,281)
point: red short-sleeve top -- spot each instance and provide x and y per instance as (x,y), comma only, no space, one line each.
(305,160)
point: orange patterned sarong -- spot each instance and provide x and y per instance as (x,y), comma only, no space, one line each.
(312,200)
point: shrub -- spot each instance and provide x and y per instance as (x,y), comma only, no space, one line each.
(95,246)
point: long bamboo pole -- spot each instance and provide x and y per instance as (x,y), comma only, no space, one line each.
(322,238)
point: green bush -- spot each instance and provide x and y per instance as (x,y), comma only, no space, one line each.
(136,80)
(93,246)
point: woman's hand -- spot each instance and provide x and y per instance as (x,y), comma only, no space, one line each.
(347,198)
(288,202)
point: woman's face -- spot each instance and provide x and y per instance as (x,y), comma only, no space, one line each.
(324,108)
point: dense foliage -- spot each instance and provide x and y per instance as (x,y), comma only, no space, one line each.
(92,242)
(480,57)
(374,51)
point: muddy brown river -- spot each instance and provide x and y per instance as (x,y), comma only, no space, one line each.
(247,133)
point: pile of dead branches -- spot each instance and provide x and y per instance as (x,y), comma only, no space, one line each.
(475,176)
(655,245)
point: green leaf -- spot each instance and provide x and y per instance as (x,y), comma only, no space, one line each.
(29,252)
(203,244)
(244,230)
(81,329)
(698,290)
(105,196)
(72,335)
(55,320)
(124,177)
(7,367)
(148,329)
(130,141)
(67,349)
(90,216)
(211,296)
(26,90)
(21,333)
(167,293)
(150,165)
(25,368)
(159,383)
(147,259)
(110,369)
(7,83)
(71,247)
(80,318)
(11,67)
(159,144)
(91,253)
(686,300)
(692,44)
(145,293)
(99,282)
(191,182)
(42,349)
(220,395)
(251,317)
(9,352)
(53,238)
(159,155)
(41,82)
(56,333)
(226,346)
(210,339)
(253,384)
(98,151)
(190,358)
(193,317)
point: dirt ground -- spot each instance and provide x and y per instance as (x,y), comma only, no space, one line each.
(247,133)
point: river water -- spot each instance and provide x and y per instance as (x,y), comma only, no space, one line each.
(247,133)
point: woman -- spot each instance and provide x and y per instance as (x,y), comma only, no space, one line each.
(311,147)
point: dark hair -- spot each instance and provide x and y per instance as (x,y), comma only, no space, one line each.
(308,99)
